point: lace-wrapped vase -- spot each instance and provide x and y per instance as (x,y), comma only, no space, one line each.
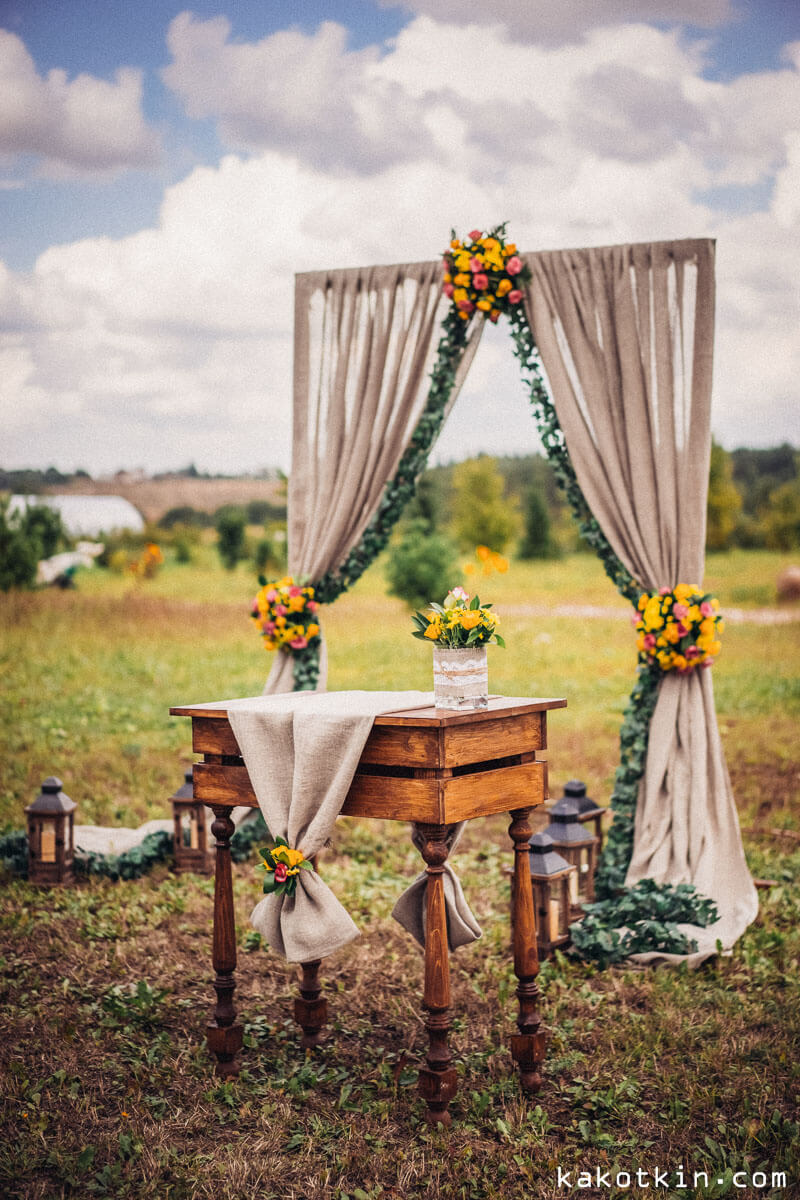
(460,677)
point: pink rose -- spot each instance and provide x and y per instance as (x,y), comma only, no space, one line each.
(663,591)
(680,611)
(515,296)
(466,306)
(298,643)
(268,627)
(635,617)
(448,290)
(649,641)
(494,315)
(474,234)
(281,610)
(514,266)
(281,873)
(446,264)
(312,606)
(475,264)
(707,662)
(707,609)
(682,630)
(481,282)
(272,595)
(692,652)
(295,591)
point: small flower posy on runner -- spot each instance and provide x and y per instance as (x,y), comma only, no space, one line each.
(678,629)
(282,865)
(483,273)
(459,622)
(285,614)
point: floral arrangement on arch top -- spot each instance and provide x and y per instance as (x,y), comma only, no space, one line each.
(483,273)
(460,622)
(678,629)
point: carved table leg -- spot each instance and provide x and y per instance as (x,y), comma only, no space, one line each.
(311,1012)
(527,1046)
(223,1035)
(437,1080)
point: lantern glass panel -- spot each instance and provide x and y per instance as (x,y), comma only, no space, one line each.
(47,841)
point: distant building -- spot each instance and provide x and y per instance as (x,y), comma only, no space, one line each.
(87,516)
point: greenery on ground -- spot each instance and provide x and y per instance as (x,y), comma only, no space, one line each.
(108,1089)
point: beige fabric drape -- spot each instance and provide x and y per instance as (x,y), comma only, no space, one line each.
(364,343)
(626,336)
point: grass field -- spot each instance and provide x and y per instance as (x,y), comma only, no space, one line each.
(105,988)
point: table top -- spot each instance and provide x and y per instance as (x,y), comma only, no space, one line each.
(499,706)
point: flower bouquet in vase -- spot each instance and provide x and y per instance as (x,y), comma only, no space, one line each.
(460,630)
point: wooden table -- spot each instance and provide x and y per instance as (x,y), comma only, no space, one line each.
(433,767)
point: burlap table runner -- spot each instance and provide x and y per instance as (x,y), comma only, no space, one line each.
(301,750)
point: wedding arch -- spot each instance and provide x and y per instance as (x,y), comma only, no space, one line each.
(624,336)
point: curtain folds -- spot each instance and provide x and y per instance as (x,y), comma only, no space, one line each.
(626,335)
(364,342)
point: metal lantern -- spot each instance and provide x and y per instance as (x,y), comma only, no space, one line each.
(51,839)
(190,838)
(578,846)
(589,813)
(552,881)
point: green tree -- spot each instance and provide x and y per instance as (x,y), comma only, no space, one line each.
(422,566)
(231,539)
(724,500)
(19,553)
(782,517)
(537,540)
(481,515)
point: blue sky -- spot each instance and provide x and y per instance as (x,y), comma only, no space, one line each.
(165,169)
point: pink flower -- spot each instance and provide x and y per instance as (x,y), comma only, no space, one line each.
(474,234)
(514,266)
(475,264)
(663,591)
(466,306)
(448,290)
(706,609)
(494,315)
(707,662)
(460,593)
(312,606)
(281,610)
(268,627)
(515,296)
(272,595)
(298,643)
(481,282)
(682,630)
(295,591)
(281,873)
(446,264)
(635,617)
(691,652)
(649,641)
(680,611)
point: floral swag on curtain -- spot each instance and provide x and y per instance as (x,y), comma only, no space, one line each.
(625,335)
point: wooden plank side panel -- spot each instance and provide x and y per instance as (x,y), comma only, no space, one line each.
(405,746)
(212,736)
(394,799)
(218,783)
(488,792)
(494,739)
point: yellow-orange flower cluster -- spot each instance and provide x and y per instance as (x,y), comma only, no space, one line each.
(488,561)
(461,621)
(285,614)
(282,864)
(678,629)
(483,273)
(148,563)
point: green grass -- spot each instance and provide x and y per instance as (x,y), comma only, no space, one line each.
(105,988)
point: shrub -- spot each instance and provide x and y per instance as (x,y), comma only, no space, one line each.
(423,566)
(481,516)
(231,540)
(537,541)
(26,536)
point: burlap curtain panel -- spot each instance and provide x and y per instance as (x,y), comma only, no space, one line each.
(364,341)
(626,335)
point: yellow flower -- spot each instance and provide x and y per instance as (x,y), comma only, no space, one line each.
(463,260)
(469,568)
(499,563)
(503,287)
(470,618)
(671,633)
(460,294)
(463,279)
(683,591)
(312,630)
(483,552)
(484,305)
(679,662)
(297,603)
(642,602)
(434,629)
(652,614)
(447,277)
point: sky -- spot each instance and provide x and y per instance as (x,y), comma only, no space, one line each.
(165,170)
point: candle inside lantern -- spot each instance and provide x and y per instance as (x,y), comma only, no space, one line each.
(554,921)
(48,842)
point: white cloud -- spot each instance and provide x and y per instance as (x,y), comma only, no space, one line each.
(175,343)
(546,22)
(86,124)
(309,94)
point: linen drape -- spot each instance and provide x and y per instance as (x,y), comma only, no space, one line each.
(625,335)
(363,349)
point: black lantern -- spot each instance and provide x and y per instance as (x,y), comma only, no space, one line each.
(553,887)
(578,846)
(589,813)
(190,839)
(51,839)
